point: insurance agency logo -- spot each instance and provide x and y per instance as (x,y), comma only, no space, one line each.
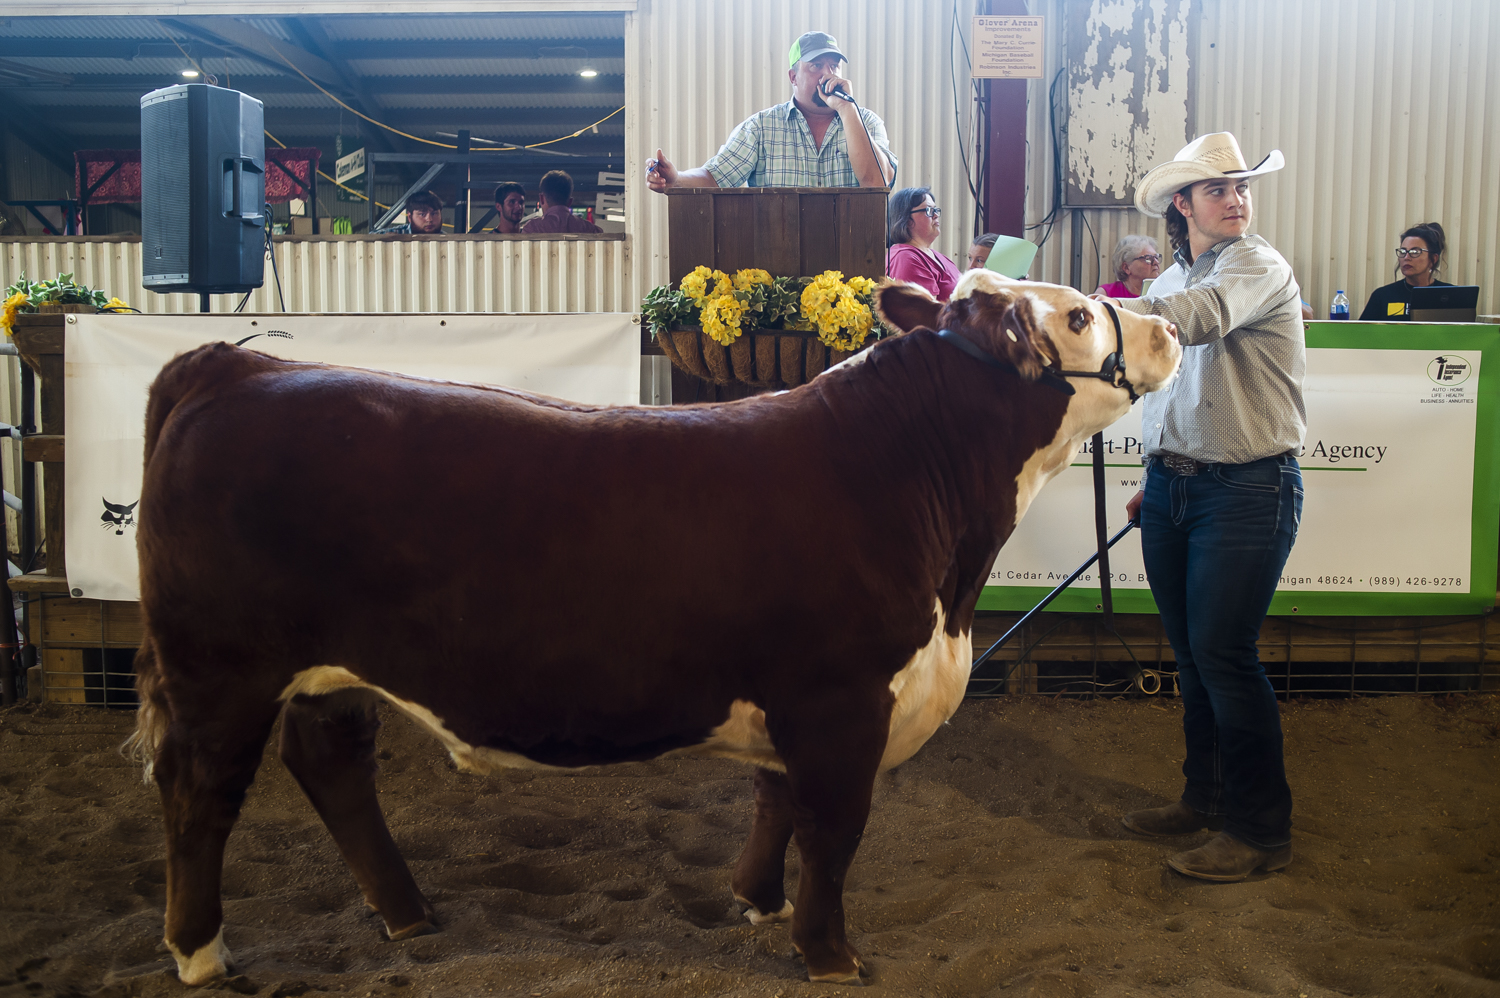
(1449,370)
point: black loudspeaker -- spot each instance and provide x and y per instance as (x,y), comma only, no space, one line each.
(203,185)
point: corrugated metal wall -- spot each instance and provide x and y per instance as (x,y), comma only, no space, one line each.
(695,70)
(1388,113)
(353,274)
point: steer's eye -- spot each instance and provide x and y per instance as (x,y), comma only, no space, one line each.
(1079,319)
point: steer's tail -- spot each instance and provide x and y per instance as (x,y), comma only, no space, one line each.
(151,716)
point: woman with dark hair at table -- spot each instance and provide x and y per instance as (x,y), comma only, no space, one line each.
(1417,261)
(911,227)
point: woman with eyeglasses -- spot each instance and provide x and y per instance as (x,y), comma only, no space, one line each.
(1417,261)
(1136,260)
(912,225)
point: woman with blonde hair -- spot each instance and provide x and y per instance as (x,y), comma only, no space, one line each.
(1135,260)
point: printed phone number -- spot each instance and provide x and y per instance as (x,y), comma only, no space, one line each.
(1411,581)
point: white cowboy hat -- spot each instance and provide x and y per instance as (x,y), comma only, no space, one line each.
(1209,157)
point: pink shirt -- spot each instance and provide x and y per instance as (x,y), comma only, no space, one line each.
(933,271)
(1119,289)
(559,218)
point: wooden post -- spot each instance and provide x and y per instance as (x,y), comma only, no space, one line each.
(39,339)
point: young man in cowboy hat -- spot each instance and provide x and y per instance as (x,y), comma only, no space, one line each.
(816,139)
(1221,500)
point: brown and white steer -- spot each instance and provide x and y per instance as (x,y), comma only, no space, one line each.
(315,537)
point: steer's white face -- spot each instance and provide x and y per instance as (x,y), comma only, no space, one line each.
(1075,333)
(1081,335)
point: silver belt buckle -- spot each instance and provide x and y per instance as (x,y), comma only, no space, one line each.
(1179,464)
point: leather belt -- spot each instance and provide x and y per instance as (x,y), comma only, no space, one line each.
(1188,466)
(1180,464)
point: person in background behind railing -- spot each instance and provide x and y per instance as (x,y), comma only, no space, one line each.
(556,201)
(510,207)
(1417,260)
(911,226)
(424,217)
(1135,260)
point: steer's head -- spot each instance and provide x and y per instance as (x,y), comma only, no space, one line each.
(1036,327)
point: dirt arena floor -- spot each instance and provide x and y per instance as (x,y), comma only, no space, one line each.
(994,863)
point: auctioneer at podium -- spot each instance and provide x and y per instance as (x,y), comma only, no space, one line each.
(819,138)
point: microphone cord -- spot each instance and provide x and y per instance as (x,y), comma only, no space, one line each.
(858,113)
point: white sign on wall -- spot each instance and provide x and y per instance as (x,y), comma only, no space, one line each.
(1009,48)
(1388,470)
(112,360)
(346,168)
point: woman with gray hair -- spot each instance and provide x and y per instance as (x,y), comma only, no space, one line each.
(1136,260)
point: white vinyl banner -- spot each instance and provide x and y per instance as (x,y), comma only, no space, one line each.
(1388,474)
(111,361)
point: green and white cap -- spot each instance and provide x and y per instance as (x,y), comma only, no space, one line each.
(812,45)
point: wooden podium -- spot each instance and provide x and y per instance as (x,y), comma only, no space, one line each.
(786,231)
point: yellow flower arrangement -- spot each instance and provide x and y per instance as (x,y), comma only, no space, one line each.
(746,279)
(115,304)
(695,284)
(831,305)
(13,304)
(721,318)
(723,306)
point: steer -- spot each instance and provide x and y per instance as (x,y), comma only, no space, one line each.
(851,524)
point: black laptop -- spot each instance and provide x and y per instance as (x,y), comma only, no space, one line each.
(1457,303)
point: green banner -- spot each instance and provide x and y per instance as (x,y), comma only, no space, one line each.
(1401,471)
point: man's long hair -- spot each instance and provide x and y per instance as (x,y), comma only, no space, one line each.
(1177,229)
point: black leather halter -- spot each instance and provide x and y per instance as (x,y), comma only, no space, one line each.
(1112,370)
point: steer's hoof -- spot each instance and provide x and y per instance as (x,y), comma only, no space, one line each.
(758,917)
(422,928)
(832,970)
(838,977)
(207,963)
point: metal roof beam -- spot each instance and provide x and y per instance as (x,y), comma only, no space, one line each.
(70,48)
(609,89)
(467,48)
(310,32)
(258,45)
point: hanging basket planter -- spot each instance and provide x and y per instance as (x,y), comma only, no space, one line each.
(761,358)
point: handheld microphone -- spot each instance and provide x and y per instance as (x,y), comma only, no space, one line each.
(836,92)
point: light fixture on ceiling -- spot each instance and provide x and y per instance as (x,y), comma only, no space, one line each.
(191,74)
(588,72)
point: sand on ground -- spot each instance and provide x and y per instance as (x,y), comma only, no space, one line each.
(994,863)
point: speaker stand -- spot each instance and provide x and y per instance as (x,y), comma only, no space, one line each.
(203,301)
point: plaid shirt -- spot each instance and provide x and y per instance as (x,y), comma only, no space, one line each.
(775,148)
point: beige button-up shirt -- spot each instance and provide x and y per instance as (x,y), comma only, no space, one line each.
(1238,395)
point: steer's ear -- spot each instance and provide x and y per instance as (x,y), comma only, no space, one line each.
(905,306)
(1006,324)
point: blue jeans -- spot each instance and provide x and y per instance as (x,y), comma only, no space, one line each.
(1214,545)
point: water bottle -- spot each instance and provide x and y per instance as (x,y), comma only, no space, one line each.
(1340,307)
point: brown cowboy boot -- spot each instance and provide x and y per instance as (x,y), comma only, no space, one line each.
(1226,859)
